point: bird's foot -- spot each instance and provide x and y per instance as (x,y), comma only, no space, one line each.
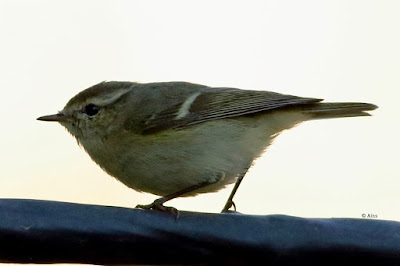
(158,205)
(228,205)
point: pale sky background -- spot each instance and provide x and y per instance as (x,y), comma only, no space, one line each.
(336,50)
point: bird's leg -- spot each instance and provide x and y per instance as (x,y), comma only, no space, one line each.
(158,203)
(229,203)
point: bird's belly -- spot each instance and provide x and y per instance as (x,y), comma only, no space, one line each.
(163,169)
(167,162)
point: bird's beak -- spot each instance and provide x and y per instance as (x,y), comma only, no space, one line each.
(57,118)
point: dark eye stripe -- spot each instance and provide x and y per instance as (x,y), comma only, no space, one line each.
(91,109)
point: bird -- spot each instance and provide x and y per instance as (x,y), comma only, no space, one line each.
(180,139)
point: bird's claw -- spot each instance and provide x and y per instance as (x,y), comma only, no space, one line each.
(228,205)
(158,205)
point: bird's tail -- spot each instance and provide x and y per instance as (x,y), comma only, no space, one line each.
(334,110)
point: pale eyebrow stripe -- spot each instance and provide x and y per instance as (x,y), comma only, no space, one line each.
(185,107)
(109,98)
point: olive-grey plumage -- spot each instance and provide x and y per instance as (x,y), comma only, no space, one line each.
(180,139)
(219,103)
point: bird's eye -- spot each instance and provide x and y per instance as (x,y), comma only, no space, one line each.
(91,109)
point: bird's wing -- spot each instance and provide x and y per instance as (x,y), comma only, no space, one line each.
(219,103)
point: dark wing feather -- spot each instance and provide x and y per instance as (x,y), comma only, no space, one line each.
(219,103)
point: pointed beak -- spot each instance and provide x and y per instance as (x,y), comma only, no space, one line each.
(53,118)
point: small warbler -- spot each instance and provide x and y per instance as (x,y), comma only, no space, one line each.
(179,139)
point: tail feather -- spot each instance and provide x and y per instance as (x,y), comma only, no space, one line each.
(334,110)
